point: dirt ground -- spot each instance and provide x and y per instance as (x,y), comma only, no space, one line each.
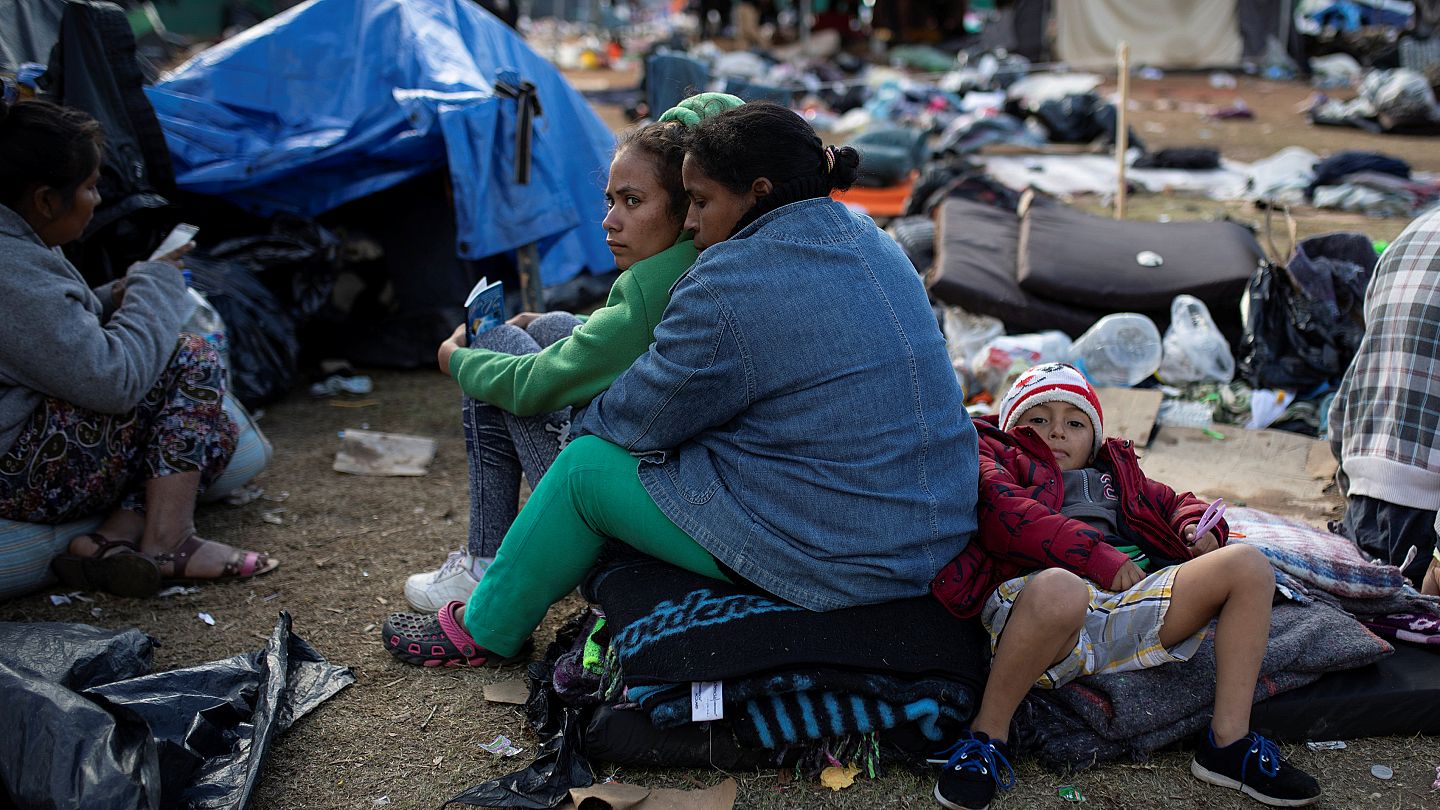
(405,737)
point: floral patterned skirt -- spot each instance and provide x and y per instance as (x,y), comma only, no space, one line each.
(70,462)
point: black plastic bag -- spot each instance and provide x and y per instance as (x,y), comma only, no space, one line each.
(263,346)
(1304,321)
(560,764)
(296,260)
(90,728)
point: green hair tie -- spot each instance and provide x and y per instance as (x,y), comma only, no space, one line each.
(697,108)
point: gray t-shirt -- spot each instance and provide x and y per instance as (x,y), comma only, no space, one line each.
(1090,497)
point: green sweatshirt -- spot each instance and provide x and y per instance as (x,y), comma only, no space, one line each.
(575,369)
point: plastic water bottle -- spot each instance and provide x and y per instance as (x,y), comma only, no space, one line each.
(1119,350)
(205,321)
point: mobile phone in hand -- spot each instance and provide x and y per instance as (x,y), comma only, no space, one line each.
(182,235)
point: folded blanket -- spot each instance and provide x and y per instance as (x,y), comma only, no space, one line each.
(670,626)
(1106,717)
(783,708)
(1316,557)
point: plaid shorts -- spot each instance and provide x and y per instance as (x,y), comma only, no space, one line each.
(1121,631)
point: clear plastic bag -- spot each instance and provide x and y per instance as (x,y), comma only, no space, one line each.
(1119,350)
(965,333)
(1002,359)
(205,321)
(1194,349)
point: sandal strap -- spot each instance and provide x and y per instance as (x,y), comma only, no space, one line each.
(103,544)
(180,556)
(458,636)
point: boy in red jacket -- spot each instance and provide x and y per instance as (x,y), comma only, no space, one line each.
(1083,565)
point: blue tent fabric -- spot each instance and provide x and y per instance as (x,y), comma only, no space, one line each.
(335,100)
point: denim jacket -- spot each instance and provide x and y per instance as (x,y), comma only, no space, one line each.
(797,414)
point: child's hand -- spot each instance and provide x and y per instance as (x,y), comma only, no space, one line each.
(1204,544)
(1127,576)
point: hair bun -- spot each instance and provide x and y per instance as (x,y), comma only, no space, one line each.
(847,168)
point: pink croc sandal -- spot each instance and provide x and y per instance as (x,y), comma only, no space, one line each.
(436,640)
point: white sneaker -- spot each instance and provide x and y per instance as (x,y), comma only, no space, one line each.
(453,581)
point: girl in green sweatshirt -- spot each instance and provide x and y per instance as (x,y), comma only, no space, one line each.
(523,379)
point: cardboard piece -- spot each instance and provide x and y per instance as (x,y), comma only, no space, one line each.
(1129,413)
(617,796)
(367,452)
(514,691)
(1280,472)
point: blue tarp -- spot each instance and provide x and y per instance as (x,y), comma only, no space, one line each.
(335,100)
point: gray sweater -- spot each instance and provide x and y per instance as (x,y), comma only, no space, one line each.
(55,340)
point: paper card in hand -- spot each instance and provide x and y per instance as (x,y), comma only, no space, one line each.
(484,308)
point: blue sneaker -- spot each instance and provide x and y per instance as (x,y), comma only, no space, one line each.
(1253,766)
(972,772)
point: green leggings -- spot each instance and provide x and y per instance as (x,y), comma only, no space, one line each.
(590,494)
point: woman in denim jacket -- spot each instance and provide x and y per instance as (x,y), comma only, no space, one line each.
(797,422)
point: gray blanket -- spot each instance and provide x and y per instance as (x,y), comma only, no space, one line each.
(1103,718)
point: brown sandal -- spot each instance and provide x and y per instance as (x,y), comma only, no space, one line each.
(241,565)
(115,566)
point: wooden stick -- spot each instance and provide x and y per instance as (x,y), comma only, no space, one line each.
(1122,129)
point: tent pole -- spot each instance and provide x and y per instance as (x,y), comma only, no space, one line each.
(1122,129)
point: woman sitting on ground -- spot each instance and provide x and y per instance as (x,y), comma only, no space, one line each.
(797,422)
(523,378)
(102,408)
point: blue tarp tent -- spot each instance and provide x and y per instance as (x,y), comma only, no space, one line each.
(337,99)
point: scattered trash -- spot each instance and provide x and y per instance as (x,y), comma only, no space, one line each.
(501,745)
(273,516)
(206,617)
(1326,745)
(837,778)
(95,611)
(1221,80)
(271,598)
(364,452)
(1070,793)
(381,802)
(246,494)
(1182,413)
(1236,111)
(514,691)
(341,384)
(1150,73)
(66,598)
(1436,784)
(177,590)
(368,627)
(1382,772)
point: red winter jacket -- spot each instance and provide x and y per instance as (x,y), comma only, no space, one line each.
(1022,530)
